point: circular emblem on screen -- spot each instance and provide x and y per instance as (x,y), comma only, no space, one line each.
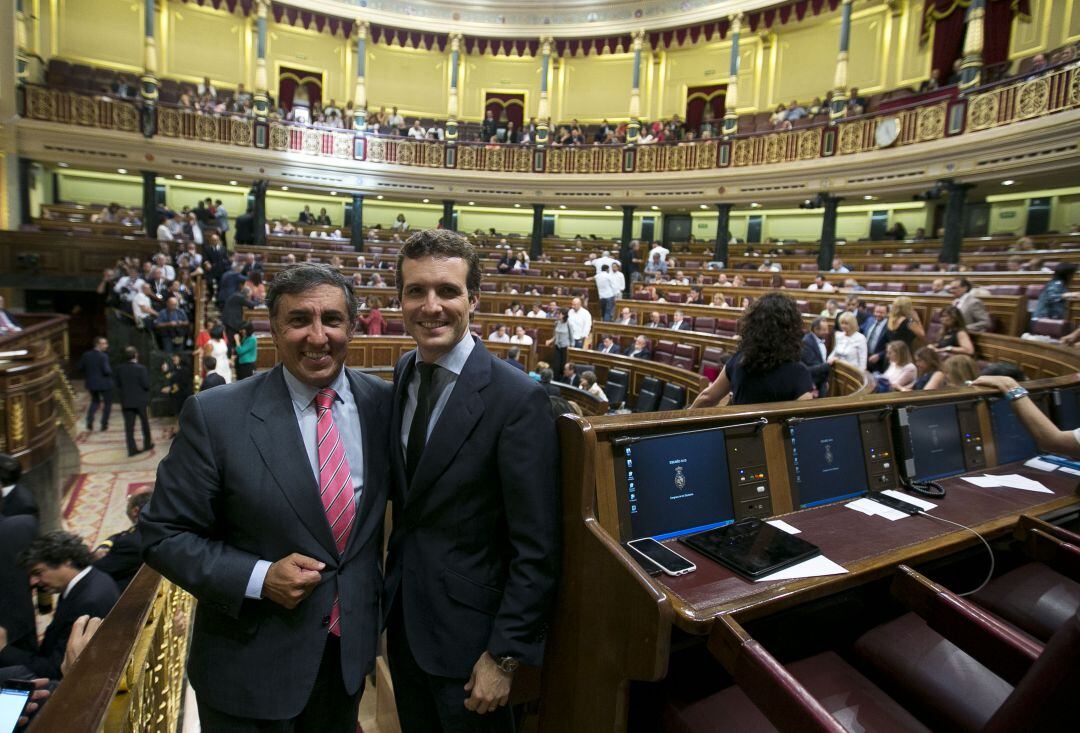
(680,479)
(828,454)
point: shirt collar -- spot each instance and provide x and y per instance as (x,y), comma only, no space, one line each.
(302,394)
(454,360)
(74,581)
(5,490)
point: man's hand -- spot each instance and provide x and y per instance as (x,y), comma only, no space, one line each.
(292,579)
(3,638)
(489,686)
(82,631)
(37,699)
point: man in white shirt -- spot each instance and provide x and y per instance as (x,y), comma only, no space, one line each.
(396,122)
(7,323)
(499,335)
(618,278)
(605,287)
(580,322)
(520,337)
(141,309)
(679,323)
(536,312)
(604,259)
(626,317)
(417,131)
(164,232)
(820,283)
(660,249)
(167,270)
(839,266)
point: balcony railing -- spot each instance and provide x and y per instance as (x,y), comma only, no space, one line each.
(933,118)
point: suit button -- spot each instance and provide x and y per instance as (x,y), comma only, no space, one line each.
(325,620)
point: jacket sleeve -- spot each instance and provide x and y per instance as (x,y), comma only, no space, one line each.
(528,476)
(180,529)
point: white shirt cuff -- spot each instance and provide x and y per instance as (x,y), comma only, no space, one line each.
(255,582)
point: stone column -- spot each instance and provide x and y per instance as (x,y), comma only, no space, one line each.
(731,95)
(9,157)
(954,221)
(626,255)
(838,106)
(723,233)
(258,223)
(828,231)
(536,250)
(452,98)
(360,91)
(971,62)
(448,215)
(543,108)
(261,98)
(356,223)
(149,203)
(148,83)
(634,128)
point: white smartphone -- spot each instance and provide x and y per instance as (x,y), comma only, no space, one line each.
(669,561)
(13,698)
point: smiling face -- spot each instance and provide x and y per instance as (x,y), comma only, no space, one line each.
(311,332)
(435,303)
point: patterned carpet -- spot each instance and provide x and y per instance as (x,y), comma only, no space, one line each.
(95,500)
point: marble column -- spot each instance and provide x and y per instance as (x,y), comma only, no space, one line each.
(723,233)
(953,240)
(536,250)
(626,255)
(149,203)
(356,222)
(838,105)
(971,62)
(634,128)
(731,95)
(827,250)
(543,109)
(360,91)
(261,98)
(452,99)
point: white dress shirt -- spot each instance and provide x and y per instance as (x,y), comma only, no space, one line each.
(580,323)
(605,285)
(75,581)
(851,349)
(347,419)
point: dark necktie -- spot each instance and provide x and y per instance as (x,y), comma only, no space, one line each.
(418,430)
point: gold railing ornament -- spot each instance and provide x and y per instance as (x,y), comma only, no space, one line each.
(1033,99)
(168,122)
(930,122)
(279,138)
(64,395)
(983,111)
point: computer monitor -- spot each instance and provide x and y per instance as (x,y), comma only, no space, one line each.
(674,484)
(827,460)
(934,448)
(1013,441)
(1066,404)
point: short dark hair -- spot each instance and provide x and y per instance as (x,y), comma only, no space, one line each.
(139,500)
(56,548)
(441,243)
(301,277)
(964,283)
(816,322)
(131,353)
(10,469)
(209,363)
(546,375)
(1064,271)
(512,353)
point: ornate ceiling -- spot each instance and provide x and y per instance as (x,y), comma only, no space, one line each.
(533,17)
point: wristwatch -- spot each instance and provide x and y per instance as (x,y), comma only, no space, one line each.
(1016,393)
(508,665)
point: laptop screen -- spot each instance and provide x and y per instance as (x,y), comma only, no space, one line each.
(1013,441)
(675,484)
(936,446)
(827,460)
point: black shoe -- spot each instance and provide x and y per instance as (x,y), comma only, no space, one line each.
(104,427)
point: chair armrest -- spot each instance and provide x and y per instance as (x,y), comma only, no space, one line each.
(993,644)
(1027,523)
(1062,557)
(776,693)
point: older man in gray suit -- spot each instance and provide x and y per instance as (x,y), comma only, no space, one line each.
(269,510)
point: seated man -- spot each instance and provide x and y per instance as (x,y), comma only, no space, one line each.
(121,554)
(15,499)
(608,346)
(59,562)
(640,350)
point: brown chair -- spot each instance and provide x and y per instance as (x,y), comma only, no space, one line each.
(705,324)
(664,352)
(1052,327)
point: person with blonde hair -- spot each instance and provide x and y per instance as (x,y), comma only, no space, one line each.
(901,372)
(903,323)
(961,370)
(849,344)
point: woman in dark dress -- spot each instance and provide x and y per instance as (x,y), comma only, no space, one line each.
(955,340)
(903,324)
(929,366)
(767,367)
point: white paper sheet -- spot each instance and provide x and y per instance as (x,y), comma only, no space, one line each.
(921,503)
(1041,464)
(781,524)
(811,568)
(873,508)
(1008,481)
(1072,471)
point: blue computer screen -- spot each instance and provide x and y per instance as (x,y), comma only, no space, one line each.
(677,484)
(935,442)
(1067,408)
(827,459)
(1013,441)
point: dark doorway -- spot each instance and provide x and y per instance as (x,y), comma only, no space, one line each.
(648,228)
(976,220)
(548,229)
(677,228)
(86,310)
(879,224)
(753,229)
(1038,216)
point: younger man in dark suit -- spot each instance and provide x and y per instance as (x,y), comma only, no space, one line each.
(473,558)
(59,562)
(212,379)
(15,500)
(134,384)
(95,367)
(121,554)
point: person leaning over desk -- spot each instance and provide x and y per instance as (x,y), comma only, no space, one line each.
(1047,435)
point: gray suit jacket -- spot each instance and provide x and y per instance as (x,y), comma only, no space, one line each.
(975,314)
(237,487)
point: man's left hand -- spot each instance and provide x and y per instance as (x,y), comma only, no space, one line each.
(3,638)
(489,686)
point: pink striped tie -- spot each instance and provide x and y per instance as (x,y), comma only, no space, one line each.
(335,483)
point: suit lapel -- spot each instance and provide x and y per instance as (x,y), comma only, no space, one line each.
(463,410)
(277,437)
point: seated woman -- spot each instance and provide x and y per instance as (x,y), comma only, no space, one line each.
(903,324)
(587,381)
(1052,300)
(955,340)
(901,371)
(849,344)
(929,368)
(961,370)
(767,367)
(373,323)
(521,262)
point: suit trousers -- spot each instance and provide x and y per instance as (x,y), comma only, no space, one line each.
(101,397)
(329,709)
(130,413)
(427,703)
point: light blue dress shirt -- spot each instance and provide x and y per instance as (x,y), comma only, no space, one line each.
(347,418)
(452,363)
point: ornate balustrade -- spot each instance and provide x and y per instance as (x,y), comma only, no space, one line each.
(928,119)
